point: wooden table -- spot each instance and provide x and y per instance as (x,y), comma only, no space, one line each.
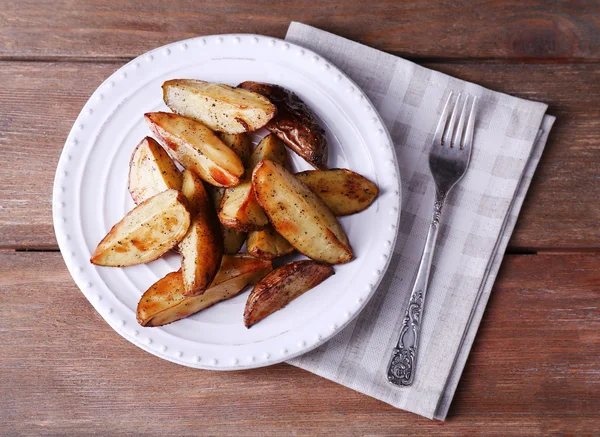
(535,366)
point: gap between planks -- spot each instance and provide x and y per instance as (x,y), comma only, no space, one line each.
(417,59)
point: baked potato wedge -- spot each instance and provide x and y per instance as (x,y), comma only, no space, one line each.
(299,215)
(240,144)
(221,107)
(196,147)
(164,302)
(239,209)
(202,247)
(151,171)
(267,244)
(342,190)
(282,286)
(232,240)
(146,233)
(194,191)
(294,123)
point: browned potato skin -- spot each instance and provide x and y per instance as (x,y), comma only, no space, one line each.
(165,303)
(240,144)
(343,191)
(282,286)
(268,244)
(232,240)
(128,244)
(147,157)
(294,123)
(299,215)
(202,247)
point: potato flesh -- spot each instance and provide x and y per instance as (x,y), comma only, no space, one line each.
(268,244)
(194,191)
(239,209)
(343,191)
(202,247)
(240,144)
(151,171)
(221,107)
(164,302)
(282,286)
(232,240)
(196,147)
(146,233)
(299,215)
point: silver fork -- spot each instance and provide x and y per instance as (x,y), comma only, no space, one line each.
(448,161)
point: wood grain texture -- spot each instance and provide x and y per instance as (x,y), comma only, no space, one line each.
(507,29)
(562,209)
(534,368)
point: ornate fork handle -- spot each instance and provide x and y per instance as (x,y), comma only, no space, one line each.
(401,370)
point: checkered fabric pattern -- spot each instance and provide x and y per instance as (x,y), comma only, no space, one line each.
(478,219)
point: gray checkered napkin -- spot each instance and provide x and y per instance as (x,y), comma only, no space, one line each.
(478,220)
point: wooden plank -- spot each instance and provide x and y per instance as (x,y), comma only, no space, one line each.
(534,368)
(419,28)
(562,209)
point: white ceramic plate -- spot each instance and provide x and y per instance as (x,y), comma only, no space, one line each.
(90,195)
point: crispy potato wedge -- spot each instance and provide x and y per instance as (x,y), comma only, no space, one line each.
(267,244)
(232,240)
(240,144)
(294,123)
(239,209)
(196,147)
(342,190)
(221,107)
(146,233)
(151,171)
(282,286)
(299,215)
(202,247)
(164,302)
(194,191)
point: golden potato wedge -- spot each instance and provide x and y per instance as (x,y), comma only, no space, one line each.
(282,286)
(294,123)
(239,209)
(299,215)
(164,301)
(146,233)
(194,191)
(216,194)
(342,190)
(202,247)
(267,244)
(151,171)
(232,240)
(196,147)
(221,107)
(240,144)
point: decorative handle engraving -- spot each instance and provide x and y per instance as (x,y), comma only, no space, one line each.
(440,198)
(401,370)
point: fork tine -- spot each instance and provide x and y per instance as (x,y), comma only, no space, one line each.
(458,134)
(450,129)
(468,141)
(437,138)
